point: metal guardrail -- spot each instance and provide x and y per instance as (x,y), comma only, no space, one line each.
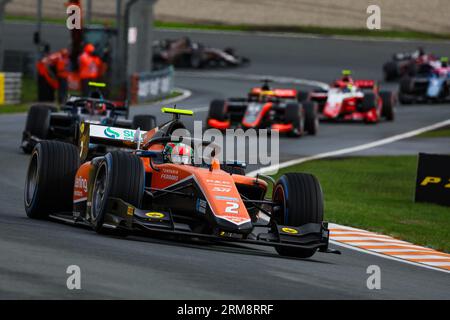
(149,86)
(10,87)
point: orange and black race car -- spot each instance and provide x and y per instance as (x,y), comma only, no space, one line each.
(266,108)
(154,185)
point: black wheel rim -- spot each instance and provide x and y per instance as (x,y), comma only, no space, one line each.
(99,192)
(32,180)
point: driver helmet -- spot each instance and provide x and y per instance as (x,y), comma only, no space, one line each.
(179,153)
(96,108)
(346,76)
(444,62)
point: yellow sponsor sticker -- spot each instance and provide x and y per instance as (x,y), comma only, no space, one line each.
(155,215)
(2,88)
(289,230)
(130,211)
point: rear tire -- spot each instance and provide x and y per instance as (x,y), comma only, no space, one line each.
(311,117)
(388,105)
(119,175)
(294,115)
(301,200)
(302,96)
(217,110)
(406,85)
(144,122)
(38,123)
(50,179)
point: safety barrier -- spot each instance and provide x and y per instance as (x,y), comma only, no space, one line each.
(150,86)
(10,87)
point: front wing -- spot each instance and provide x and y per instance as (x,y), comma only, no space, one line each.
(123,215)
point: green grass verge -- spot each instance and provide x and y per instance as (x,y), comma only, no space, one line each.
(325,31)
(440,133)
(376,193)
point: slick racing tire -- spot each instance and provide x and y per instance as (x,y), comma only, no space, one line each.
(311,117)
(294,115)
(144,121)
(404,98)
(389,100)
(390,71)
(302,96)
(217,110)
(406,85)
(38,122)
(50,179)
(300,197)
(119,175)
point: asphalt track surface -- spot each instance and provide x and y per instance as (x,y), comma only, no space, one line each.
(34,255)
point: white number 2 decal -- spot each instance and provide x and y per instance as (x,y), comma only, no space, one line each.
(232,207)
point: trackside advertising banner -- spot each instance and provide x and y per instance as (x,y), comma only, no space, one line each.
(433,179)
(148,86)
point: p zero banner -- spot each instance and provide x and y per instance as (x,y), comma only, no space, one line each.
(433,179)
(148,86)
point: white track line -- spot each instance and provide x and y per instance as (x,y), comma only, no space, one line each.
(388,257)
(358,148)
(252,77)
(184,95)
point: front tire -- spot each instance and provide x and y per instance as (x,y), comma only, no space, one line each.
(300,198)
(388,105)
(50,179)
(119,175)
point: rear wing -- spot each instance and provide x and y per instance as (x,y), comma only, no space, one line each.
(365,84)
(107,136)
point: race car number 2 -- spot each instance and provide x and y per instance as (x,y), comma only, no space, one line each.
(232,207)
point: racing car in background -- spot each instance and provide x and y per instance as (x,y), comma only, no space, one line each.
(45,122)
(353,100)
(186,53)
(264,107)
(406,64)
(156,187)
(431,84)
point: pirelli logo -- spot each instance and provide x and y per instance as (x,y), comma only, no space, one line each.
(433,179)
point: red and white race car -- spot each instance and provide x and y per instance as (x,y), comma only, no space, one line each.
(353,100)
